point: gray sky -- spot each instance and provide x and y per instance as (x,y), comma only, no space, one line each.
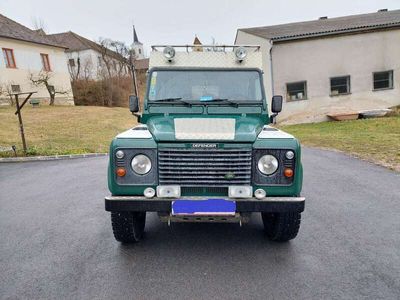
(176,21)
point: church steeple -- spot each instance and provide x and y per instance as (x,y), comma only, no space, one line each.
(135,37)
(137,46)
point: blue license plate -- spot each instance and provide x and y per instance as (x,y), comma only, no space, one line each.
(214,207)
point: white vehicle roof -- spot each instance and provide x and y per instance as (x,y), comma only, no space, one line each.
(205,56)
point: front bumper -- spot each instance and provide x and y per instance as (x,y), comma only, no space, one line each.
(267,204)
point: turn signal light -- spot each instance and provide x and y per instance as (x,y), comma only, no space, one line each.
(121,172)
(288,172)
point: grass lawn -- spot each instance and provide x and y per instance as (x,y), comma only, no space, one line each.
(89,129)
(63,130)
(375,140)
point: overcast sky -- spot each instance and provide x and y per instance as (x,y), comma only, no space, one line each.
(176,21)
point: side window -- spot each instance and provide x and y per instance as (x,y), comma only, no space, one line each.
(45,62)
(296,91)
(15,88)
(9,58)
(383,80)
(340,85)
(71,62)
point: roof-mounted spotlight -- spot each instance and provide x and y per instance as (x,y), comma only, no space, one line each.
(240,53)
(169,53)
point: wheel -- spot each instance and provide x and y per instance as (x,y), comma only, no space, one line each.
(281,227)
(128,227)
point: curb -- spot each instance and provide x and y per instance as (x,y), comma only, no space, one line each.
(51,157)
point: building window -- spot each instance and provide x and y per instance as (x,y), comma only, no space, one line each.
(9,58)
(383,80)
(140,51)
(71,62)
(15,88)
(45,62)
(296,91)
(340,85)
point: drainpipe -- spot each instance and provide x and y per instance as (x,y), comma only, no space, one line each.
(271,68)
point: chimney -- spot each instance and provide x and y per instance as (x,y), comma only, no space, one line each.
(323,18)
(383,10)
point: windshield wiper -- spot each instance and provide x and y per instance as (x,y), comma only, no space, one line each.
(179,99)
(230,102)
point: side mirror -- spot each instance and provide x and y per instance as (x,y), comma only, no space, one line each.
(276,105)
(133,103)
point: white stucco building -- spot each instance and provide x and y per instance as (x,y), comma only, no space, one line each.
(87,59)
(331,65)
(26,52)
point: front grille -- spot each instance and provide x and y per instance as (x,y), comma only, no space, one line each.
(204,167)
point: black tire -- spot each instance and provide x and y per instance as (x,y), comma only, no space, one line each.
(128,227)
(281,227)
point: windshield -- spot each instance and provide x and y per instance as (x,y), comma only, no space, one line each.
(205,85)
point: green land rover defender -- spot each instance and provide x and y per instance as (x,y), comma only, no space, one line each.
(203,151)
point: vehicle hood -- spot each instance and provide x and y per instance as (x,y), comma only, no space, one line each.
(205,129)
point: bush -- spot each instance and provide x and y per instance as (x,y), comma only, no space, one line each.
(106,92)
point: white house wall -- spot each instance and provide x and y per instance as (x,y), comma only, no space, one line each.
(87,57)
(28,60)
(315,61)
(91,57)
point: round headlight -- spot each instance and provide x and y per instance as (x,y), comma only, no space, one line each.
(120,154)
(268,164)
(169,52)
(289,155)
(141,164)
(240,53)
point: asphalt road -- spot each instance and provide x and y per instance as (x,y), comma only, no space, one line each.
(56,240)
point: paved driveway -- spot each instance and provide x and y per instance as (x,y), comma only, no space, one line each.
(56,240)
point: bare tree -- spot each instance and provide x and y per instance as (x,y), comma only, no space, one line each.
(6,89)
(74,70)
(105,45)
(215,47)
(39,24)
(105,68)
(87,69)
(82,68)
(129,57)
(114,62)
(2,90)
(8,92)
(123,60)
(43,79)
